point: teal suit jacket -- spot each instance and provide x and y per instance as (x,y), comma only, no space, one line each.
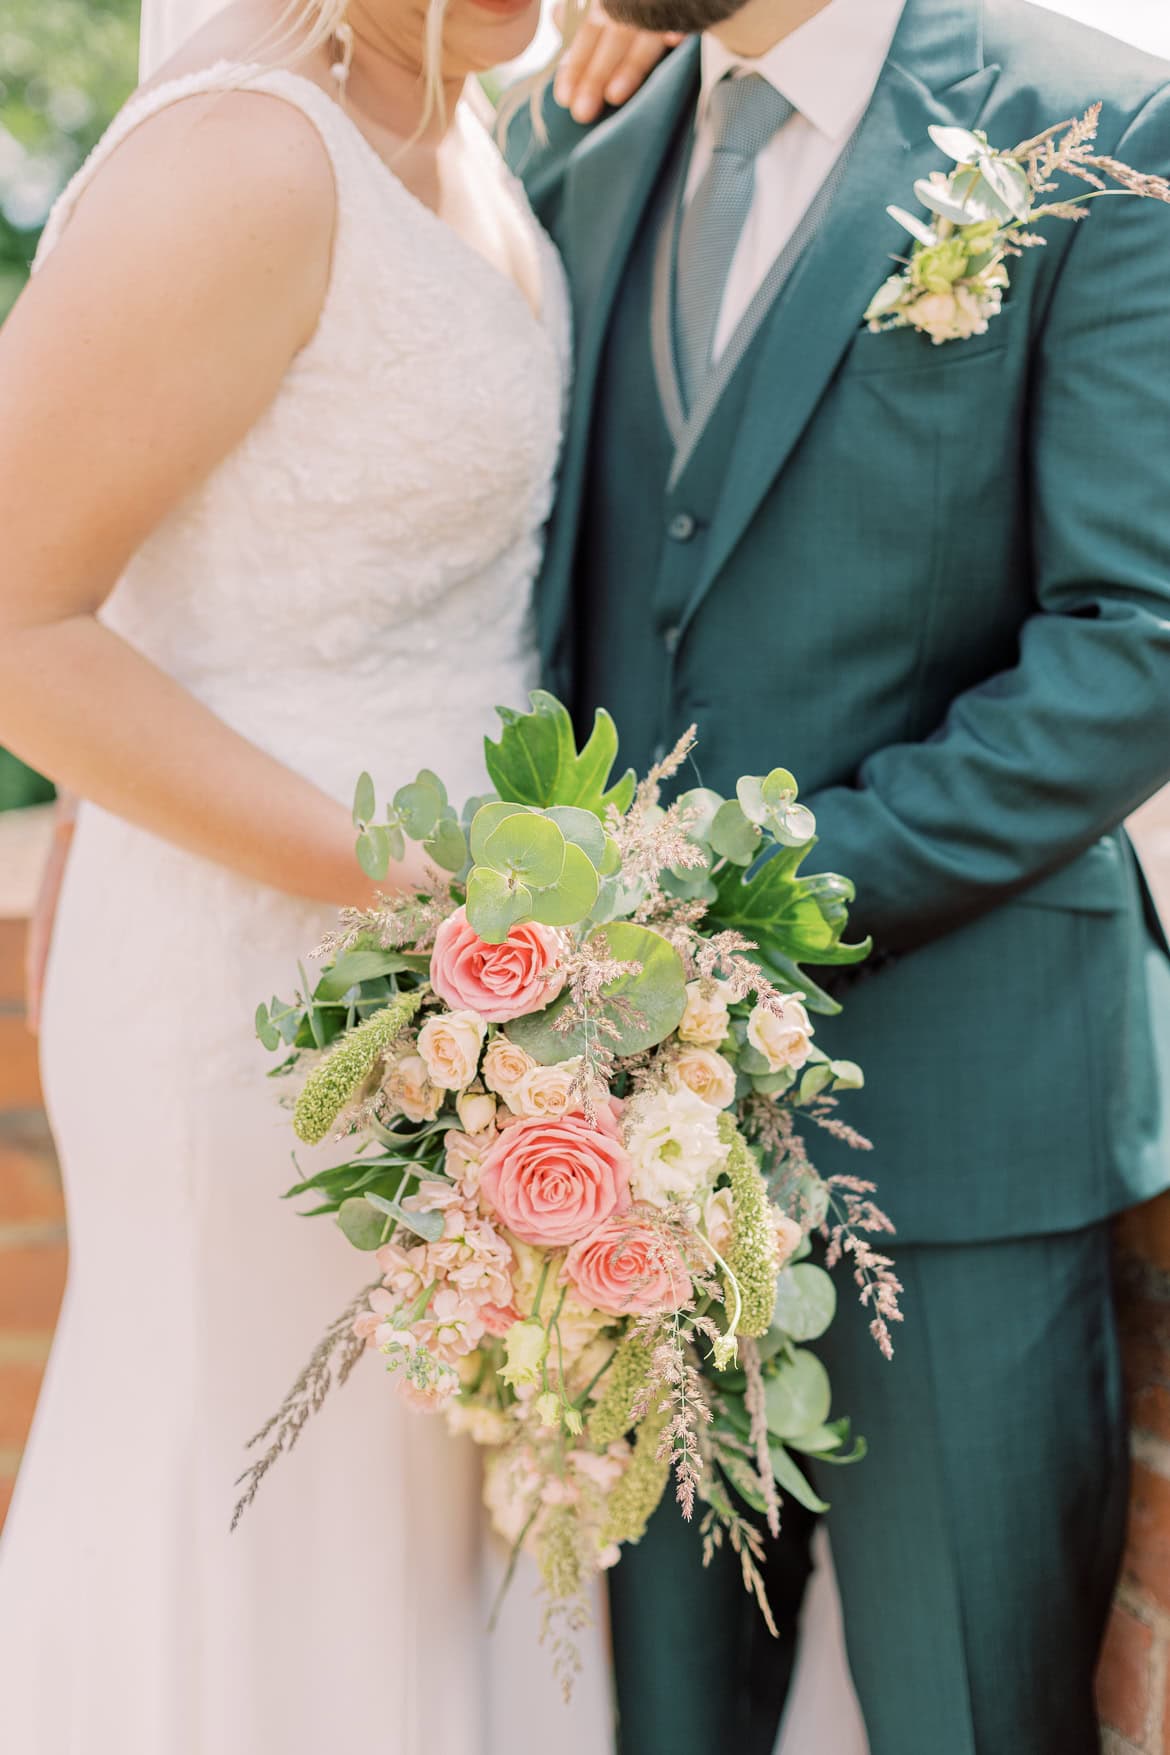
(937,587)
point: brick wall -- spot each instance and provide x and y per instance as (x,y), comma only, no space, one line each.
(1135,1674)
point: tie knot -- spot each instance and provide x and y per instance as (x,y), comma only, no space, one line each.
(746,111)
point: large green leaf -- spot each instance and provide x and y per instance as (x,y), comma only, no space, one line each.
(806,1302)
(791,1480)
(798,1397)
(536,760)
(652,1002)
(792,920)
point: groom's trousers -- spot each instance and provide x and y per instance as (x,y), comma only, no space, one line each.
(977,1546)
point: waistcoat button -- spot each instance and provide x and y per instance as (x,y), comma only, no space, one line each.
(681,527)
(670,639)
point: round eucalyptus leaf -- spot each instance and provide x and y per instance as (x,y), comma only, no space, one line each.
(494,907)
(1009,182)
(581,829)
(419,806)
(373,851)
(778,787)
(749,790)
(653,1000)
(705,806)
(489,816)
(793,824)
(572,897)
(806,1302)
(958,143)
(364,801)
(362,1224)
(527,847)
(266,1030)
(798,1397)
(447,846)
(733,836)
(774,1084)
(427,778)
(815,1080)
(891,293)
(474,805)
(396,842)
(847,1076)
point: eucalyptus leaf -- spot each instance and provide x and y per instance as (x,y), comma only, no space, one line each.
(494,906)
(269,1035)
(705,806)
(1008,181)
(373,851)
(806,1302)
(798,1396)
(365,802)
(427,777)
(362,1224)
(847,1076)
(428,1226)
(653,1000)
(814,1080)
(528,847)
(948,205)
(959,143)
(733,836)
(419,806)
(581,829)
(488,817)
(447,845)
(923,233)
(354,967)
(571,899)
(611,858)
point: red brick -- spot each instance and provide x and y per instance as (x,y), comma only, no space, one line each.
(1146,1231)
(20,1384)
(1147,1557)
(20,1085)
(12,936)
(32,1279)
(30,1190)
(1123,1680)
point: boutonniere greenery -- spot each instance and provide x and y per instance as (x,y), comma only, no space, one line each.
(986,211)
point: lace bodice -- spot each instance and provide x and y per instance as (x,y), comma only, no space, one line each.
(352,585)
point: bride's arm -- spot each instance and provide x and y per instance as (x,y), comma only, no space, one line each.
(152,339)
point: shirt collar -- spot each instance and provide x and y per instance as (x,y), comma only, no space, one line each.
(827,69)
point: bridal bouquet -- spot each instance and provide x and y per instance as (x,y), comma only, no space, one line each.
(571,1075)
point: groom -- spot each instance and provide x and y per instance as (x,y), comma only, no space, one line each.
(935,582)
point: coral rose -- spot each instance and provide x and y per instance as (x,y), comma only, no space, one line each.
(497,982)
(552,1182)
(628,1268)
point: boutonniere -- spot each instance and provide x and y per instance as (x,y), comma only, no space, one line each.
(983,213)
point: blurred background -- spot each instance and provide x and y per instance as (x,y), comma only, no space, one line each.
(65,68)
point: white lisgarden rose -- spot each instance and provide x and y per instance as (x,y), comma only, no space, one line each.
(718,1217)
(784,1040)
(706,1020)
(410,1090)
(476,1110)
(706,1073)
(789,1236)
(673,1141)
(450,1045)
(548,1090)
(505,1067)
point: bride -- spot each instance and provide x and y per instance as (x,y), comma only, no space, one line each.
(279,420)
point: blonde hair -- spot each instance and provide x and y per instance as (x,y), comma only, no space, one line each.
(308,25)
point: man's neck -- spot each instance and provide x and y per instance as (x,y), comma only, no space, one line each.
(761,24)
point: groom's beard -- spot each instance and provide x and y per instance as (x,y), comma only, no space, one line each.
(687,17)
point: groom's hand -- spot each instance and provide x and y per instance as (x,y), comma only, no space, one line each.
(606,63)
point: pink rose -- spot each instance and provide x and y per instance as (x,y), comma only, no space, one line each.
(553,1181)
(628,1269)
(497,982)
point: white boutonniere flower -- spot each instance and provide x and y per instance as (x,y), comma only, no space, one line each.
(985,212)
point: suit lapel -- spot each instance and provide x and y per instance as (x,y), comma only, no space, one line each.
(608,189)
(819,311)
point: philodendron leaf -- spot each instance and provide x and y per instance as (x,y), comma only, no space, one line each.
(792,920)
(364,801)
(798,1397)
(651,1005)
(806,1302)
(571,899)
(447,845)
(494,906)
(536,760)
(527,847)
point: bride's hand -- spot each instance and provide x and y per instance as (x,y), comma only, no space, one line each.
(606,63)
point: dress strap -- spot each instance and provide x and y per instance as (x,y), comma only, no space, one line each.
(342,140)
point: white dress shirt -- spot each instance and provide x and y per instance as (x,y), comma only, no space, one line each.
(828,70)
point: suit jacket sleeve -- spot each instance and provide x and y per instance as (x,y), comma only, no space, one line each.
(541,163)
(1033,764)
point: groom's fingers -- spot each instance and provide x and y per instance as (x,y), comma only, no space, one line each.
(606,63)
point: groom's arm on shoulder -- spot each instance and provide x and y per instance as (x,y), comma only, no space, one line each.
(1031,766)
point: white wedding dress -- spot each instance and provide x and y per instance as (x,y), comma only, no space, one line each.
(350,588)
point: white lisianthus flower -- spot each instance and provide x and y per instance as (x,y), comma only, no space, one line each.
(505,1067)
(706,1020)
(674,1146)
(783,1040)
(706,1073)
(450,1046)
(476,1110)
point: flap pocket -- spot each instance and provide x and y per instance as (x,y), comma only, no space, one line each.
(1095,883)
